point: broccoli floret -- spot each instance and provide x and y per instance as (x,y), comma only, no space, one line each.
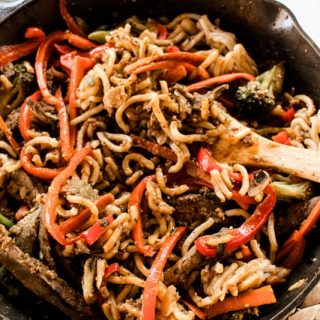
(21,84)
(287,191)
(258,98)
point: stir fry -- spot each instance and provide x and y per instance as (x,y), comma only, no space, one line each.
(112,202)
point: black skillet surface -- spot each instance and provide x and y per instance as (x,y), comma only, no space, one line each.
(268,30)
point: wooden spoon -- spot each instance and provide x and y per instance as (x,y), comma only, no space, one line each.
(241,145)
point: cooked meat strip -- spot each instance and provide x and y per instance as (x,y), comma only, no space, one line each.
(26,230)
(195,208)
(180,271)
(290,219)
(41,280)
(45,253)
(22,187)
(76,186)
(42,112)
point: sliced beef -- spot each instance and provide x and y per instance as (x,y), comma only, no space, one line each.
(76,186)
(23,188)
(194,209)
(43,113)
(46,254)
(41,280)
(178,274)
(26,230)
(289,218)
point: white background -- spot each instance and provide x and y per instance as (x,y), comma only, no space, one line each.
(307,13)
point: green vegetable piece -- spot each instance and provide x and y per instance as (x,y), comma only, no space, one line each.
(258,98)
(99,36)
(6,222)
(23,82)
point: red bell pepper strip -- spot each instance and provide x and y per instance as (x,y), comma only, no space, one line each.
(39,172)
(100,50)
(171,49)
(135,204)
(114,267)
(25,116)
(282,137)
(243,201)
(178,57)
(34,32)
(71,24)
(254,298)
(63,49)
(162,32)
(292,251)
(80,42)
(73,223)
(66,147)
(41,65)
(207,163)
(197,311)
(110,270)
(225,78)
(52,200)
(149,295)
(92,234)
(80,66)
(7,132)
(288,115)
(10,53)
(175,75)
(244,233)
(67,60)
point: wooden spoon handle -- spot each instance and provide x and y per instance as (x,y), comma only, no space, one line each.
(255,150)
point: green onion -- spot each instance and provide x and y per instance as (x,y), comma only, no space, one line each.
(5,221)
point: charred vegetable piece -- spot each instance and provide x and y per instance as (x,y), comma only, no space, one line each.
(257,98)
(22,81)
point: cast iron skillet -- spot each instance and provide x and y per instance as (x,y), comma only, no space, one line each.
(267,28)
